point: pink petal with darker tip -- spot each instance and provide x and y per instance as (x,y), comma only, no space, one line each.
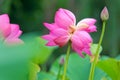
(83,36)
(62,40)
(48,37)
(50,26)
(15,31)
(77,45)
(87,25)
(89,21)
(64,18)
(81,42)
(87,51)
(51,43)
(77,50)
(59,32)
(71,15)
(92,29)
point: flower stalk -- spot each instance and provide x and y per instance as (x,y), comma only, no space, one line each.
(58,75)
(104,17)
(61,63)
(91,76)
(66,61)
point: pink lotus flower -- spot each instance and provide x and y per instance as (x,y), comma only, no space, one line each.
(9,33)
(64,29)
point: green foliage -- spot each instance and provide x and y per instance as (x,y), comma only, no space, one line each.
(118,57)
(39,51)
(17,62)
(78,69)
(5,6)
(94,48)
(111,67)
(13,63)
(46,76)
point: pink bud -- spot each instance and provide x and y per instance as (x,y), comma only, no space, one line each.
(61,62)
(104,14)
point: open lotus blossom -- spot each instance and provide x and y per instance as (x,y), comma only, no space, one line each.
(64,29)
(9,33)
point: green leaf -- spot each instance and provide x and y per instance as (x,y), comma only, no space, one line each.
(118,57)
(15,60)
(45,76)
(111,67)
(94,48)
(34,69)
(42,52)
(14,63)
(78,68)
(39,51)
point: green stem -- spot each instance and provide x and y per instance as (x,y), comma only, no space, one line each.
(34,69)
(91,76)
(58,75)
(66,61)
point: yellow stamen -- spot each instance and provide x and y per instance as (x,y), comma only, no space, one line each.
(72,29)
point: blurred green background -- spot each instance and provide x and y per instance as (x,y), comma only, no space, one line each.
(30,15)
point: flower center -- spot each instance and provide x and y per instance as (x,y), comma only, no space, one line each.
(83,26)
(72,29)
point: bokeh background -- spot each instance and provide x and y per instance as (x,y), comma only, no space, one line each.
(30,15)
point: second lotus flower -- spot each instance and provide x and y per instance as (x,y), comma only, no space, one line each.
(9,33)
(65,29)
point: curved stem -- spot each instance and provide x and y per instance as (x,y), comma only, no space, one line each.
(58,75)
(66,61)
(91,76)
(34,69)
